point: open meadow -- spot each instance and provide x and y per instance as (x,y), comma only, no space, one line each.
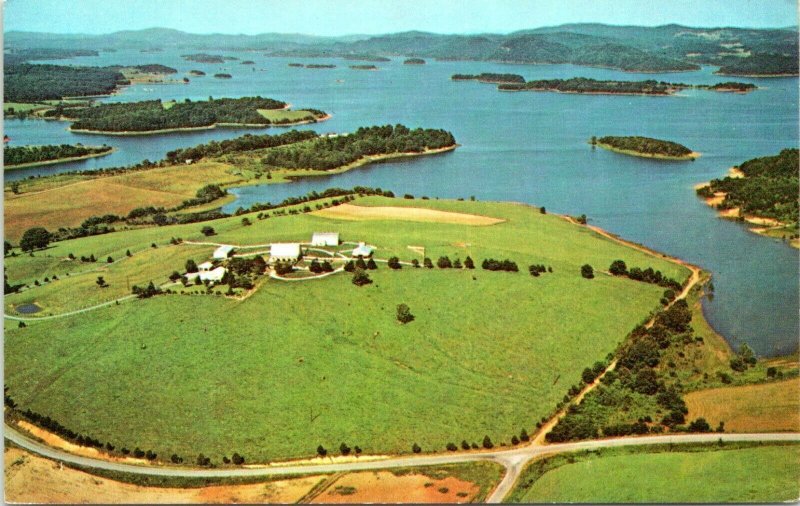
(760,474)
(297,365)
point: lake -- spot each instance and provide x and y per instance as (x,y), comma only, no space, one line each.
(525,147)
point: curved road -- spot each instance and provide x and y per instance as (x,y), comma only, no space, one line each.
(513,460)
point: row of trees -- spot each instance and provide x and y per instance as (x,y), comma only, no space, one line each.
(490,264)
(647,275)
(31,154)
(329,153)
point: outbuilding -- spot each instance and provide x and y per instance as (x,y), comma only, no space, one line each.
(223,252)
(325,239)
(362,250)
(205,267)
(213,275)
(284,252)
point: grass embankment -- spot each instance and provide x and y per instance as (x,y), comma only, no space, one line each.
(709,474)
(351,372)
(768,407)
(59,160)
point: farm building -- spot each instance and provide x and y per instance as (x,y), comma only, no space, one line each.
(325,239)
(362,250)
(205,266)
(213,275)
(284,252)
(223,252)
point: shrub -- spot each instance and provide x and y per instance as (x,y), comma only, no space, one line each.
(361,278)
(487,442)
(523,435)
(451,447)
(415,448)
(427,263)
(587,271)
(444,263)
(618,268)
(321,451)
(464,445)
(468,263)
(207,231)
(237,459)
(404,314)
(394,263)
(371,265)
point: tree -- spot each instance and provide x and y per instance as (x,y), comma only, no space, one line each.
(101,282)
(128,253)
(464,444)
(542,210)
(487,442)
(371,265)
(523,435)
(514,440)
(581,219)
(350,266)
(326,266)
(237,459)
(344,449)
(394,263)
(360,263)
(468,263)
(427,263)
(451,447)
(109,260)
(175,276)
(35,238)
(587,271)
(191,266)
(415,448)
(618,268)
(361,278)
(699,425)
(321,451)
(315,267)
(404,314)
(207,231)
(6,248)
(246,222)
(444,263)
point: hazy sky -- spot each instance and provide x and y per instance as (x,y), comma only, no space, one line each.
(339,17)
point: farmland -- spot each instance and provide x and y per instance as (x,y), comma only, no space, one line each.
(756,474)
(297,365)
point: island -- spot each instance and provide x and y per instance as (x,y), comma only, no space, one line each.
(248,62)
(18,157)
(223,76)
(645,147)
(197,73)
(203,58)
(414,61)
(297,65)
(585,85)
(366,57)
(27,82)
(155,116)
(363,67)
(763,192)
(490,78)
(320,66)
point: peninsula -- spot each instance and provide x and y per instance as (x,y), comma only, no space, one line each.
(33,156)
(613,87)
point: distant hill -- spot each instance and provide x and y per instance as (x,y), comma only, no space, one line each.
(632,48)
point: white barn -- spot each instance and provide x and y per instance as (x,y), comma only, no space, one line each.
(362,250)
(205,266)
(284,252)
(213,275)
(325,239)
(223,252)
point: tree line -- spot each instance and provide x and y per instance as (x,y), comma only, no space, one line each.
(327,153)
(31,154)
(247,142)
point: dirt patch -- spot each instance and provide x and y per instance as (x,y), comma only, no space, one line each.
(768,407)
(385,487)
(33,479)
(351,212)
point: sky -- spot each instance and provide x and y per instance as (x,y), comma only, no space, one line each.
(342,17)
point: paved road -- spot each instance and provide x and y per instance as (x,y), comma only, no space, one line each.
(513,459)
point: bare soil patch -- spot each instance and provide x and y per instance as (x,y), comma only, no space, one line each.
(351,212)
(385,487)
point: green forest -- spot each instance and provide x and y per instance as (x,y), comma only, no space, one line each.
(761,64)
(769,189)
(29,83)
(151,114)
(247,142)
(646,145)
(326,153)
(32,154)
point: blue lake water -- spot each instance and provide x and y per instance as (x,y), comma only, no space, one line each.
(525,147)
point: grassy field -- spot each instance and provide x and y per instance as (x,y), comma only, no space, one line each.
(70,204)
(759,474)
(768,407)
(284,114)
(301,364)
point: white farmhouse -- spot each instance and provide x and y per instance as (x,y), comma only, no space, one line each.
(223,252)
(325,239)
(284,252)
(362,250)
(205,266)
(213,275)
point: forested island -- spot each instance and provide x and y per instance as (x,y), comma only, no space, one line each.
(248,62)
(25,82)
(646,147)
(762,190)
(761,65)
(320,66)
(153,116)
(613,87)
(366,57)
(153,68)
(203,58)
(223,76)
(31,156)
(363,67)
(197,73)
(487,77)
(329,153)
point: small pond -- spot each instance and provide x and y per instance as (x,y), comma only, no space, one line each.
(27,309)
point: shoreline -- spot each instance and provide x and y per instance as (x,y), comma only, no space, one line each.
(762,225)
(755,75)
(691,156)
(635,94)
(195,129)
(58,160)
